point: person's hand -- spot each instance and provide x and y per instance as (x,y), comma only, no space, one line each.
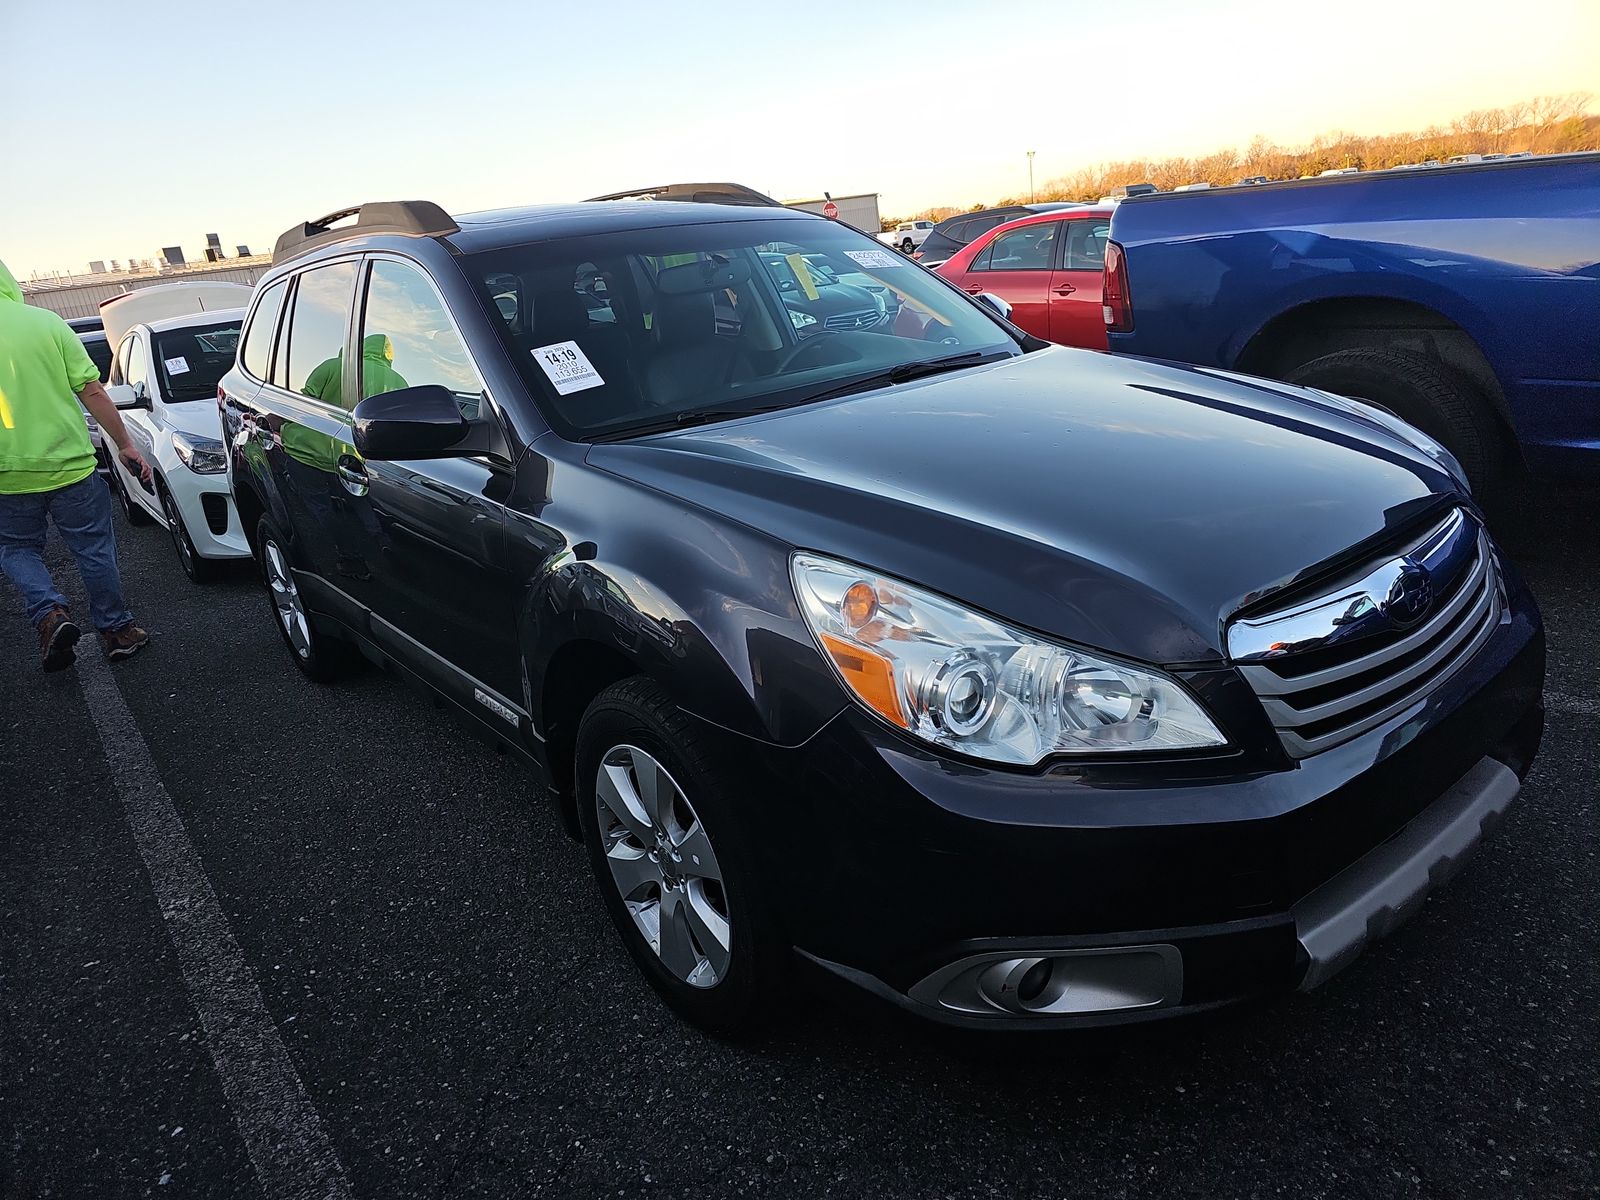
(134,461)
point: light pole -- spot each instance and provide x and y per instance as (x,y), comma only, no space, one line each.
(1030,176)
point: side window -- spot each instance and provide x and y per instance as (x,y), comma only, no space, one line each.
(317,331)
(100,354)
(119,364)
(1086,244)
(135,369)
(256,352)
(1029,248)
(983,259)
(407,339)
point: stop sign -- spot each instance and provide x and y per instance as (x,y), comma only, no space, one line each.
(831,211)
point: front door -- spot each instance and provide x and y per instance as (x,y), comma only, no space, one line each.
(1016,266)
(1076,318)
(429,535)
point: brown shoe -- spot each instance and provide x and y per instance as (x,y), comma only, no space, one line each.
(57,637)
(124,642)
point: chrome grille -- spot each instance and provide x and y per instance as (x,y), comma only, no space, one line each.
(861,318)
(1331,668)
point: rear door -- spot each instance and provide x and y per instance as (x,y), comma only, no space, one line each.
(1075,317)
(304,412)
(1017,265)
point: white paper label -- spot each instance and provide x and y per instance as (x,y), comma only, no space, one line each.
(875,258)
(177,366)
(566,366)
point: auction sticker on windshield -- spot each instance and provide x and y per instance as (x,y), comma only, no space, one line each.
(874,258)
(566,366)
(177,366)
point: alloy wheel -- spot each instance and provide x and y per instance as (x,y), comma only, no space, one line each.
(286,600)
(663,865)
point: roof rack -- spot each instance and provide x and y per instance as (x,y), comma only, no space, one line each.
(698,193)
(414,218)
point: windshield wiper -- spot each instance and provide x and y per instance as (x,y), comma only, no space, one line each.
(905,372)
(901,373)
(689,416)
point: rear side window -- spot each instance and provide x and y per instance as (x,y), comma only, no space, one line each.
(100,354)
(317,331)
(1086,244)
(256,352)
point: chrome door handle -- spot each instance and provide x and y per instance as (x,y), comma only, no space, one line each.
(352,475)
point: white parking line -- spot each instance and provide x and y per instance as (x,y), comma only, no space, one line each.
(291,1153)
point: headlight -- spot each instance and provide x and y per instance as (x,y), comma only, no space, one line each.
(800,319)
(1403,430)
(203,455)
(968,682)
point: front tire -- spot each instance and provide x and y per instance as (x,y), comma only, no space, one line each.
(666,847)
(318,656)
(1441,402)
(199,570)
(907,246)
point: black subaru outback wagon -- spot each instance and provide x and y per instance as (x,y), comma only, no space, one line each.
(1021,686)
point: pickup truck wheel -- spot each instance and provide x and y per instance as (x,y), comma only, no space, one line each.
(1436,399)
(318,656)
(656,810)
(907,246)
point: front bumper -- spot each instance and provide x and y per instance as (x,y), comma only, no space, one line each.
(1216,879)
(209,515)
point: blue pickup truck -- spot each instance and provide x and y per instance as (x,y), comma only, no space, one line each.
(1465,299)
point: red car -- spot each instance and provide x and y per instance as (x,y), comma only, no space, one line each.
(1047,267)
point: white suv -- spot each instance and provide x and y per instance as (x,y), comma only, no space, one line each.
(164,379)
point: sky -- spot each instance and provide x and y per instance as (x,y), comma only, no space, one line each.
(128,127)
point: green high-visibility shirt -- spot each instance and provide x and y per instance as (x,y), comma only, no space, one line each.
(44,442)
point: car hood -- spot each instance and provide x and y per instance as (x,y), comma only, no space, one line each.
(199,417)
(1116,502)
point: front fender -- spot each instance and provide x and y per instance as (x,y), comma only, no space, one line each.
(697,601)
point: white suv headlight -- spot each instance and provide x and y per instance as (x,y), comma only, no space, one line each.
(968,682)
(203,455)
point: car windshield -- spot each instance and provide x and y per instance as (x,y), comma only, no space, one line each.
(191,362)
(630,331)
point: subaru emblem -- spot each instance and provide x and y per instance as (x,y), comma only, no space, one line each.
(1410,596)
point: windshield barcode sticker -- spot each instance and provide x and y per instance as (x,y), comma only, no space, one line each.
(566,366)
(177,366)
(875,258)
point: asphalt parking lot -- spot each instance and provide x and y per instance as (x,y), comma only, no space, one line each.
(445,1011)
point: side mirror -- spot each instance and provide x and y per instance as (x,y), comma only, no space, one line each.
(1000,308)
(124,396)
(414,422)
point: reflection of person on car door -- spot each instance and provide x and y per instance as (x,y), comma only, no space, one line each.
(326,381)
(317,450)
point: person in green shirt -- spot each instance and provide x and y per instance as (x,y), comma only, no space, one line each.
(47,474)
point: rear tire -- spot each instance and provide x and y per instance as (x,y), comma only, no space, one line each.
(318,656)
(630,726)
(907,246)
(1441,402)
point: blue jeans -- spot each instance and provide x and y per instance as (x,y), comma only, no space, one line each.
(82,513)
